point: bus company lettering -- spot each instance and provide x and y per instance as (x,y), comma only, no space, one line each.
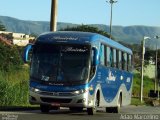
(71,49)
(65,38)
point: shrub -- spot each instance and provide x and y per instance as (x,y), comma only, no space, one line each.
(10,57)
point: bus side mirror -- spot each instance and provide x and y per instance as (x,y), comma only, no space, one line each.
(26,55)
(95,61)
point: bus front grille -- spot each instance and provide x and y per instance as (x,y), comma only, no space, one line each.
(56,93)
(55,100)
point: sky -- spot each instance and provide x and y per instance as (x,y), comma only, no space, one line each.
(125,12)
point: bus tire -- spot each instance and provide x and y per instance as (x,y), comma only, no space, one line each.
(90,111)
(44,108)
(117,108)
(93,110)
(109,109)
(112,109)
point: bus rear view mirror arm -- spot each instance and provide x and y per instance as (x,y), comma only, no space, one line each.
(26,56)
(95,56)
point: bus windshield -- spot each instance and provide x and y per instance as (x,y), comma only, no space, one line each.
(66,64)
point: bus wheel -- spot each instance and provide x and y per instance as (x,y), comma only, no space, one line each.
(44,108)
(93,110)
(90,111)
(109,109)
(112,109)
(115,109)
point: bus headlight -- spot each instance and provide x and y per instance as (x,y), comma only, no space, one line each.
(34,90)
(78,92)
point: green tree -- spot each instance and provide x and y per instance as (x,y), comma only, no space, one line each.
(10,57)
(87,28)
(2,27)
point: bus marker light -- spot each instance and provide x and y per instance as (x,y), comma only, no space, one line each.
(91,88)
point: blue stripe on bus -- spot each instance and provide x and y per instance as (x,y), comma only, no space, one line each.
(110,87)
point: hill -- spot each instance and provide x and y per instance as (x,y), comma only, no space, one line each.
(127,34)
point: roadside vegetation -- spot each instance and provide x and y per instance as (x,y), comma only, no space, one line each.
(148,85)
(14,77)
(14,87)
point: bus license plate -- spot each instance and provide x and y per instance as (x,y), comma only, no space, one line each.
(55,104)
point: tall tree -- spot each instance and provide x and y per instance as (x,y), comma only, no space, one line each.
(2,27)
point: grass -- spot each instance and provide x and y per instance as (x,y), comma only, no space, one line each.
(14,87)
(136,101)
(148,85)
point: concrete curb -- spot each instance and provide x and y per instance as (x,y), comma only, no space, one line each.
(17,108)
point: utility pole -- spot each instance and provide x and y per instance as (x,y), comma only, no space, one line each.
(111,2)
(142,65)
(155,83)
(53,19)
(156,80)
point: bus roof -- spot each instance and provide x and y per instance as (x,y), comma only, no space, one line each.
(79,37)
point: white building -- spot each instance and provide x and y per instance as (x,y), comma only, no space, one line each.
(20,42)
(19,39)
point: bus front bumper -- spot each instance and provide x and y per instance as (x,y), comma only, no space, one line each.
(61,100)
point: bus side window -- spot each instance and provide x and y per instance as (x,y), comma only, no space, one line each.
(92,71)
(108,56)
(120,60)
(117,58)
(102,55)
(92,57)
(129,64)
(124,61)
(111,57)
(114,58)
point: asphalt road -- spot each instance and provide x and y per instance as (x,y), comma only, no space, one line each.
(126,113)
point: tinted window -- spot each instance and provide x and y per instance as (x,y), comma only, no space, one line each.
(120,60)
(114,58)
(129,62)
(124,61)
(109,57)
(102,55)
(60,63)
